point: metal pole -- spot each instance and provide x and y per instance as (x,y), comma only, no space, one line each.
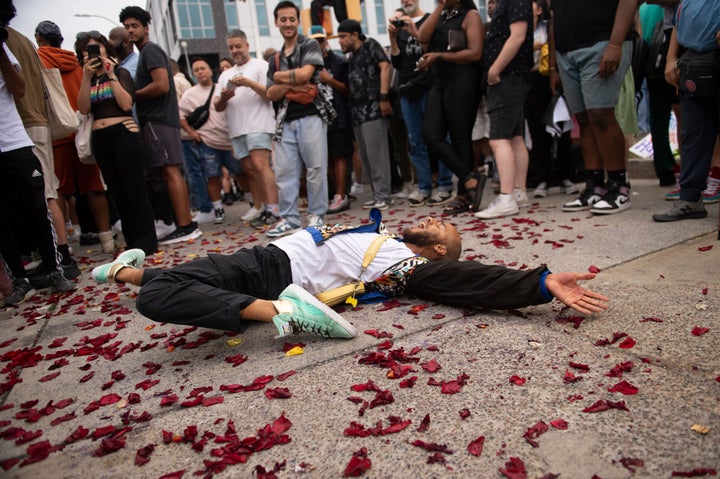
(116,24)
(183,45)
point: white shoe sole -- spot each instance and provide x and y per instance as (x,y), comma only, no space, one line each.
(310,299)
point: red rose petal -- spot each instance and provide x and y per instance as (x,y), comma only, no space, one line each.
(705,248)
(213,400)
(559,424)
(464,413)
(593,269)
(431,366)
(624,387)
(284,376)
(514,469)
(142,456)
(517,380)
(277,393)
(359,463)
(697,472)
(475,447)
(627,343)
(698,331)
(424,424)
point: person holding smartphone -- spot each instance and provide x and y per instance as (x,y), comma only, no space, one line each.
(107,92)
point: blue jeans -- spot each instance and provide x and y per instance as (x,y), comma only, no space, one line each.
(303,143)
(413,111)
(197,182)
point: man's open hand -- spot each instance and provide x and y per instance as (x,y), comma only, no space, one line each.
(565,288)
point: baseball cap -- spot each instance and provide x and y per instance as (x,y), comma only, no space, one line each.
(49,29)
(316,31)
(351,26)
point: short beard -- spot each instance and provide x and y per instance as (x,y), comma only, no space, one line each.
(411,10)
(421,238)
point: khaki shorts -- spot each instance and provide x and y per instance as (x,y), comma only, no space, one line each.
(40,136)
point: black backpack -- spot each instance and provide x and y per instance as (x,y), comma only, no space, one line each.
(657,52)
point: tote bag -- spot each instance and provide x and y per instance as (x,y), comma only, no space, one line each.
(61,117)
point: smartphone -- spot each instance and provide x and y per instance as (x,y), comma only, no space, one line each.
(93,51)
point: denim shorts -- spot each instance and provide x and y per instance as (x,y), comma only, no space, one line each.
(583,88)
(213,160)
(244,144)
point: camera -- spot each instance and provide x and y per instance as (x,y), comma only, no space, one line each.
(93,51)
(398,23)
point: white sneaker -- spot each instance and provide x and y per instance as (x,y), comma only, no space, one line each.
(417,198)
(569,187)
(162,229)
(404,192)
(251,214)
(338,204)
(315,221)
(357,189)
(521,198)
(202,217)
(541,191)
(503,205)
(380,205)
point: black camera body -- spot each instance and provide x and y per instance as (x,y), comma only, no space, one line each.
(398,23)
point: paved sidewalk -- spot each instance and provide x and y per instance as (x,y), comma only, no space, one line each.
(92,388)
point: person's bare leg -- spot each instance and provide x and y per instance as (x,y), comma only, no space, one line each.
(129,275)
(259,310)
(214,186)
(588,143)
(254,185)
(260,160)
(58,221)
(177,190)
(226,184)
(522,159)
(609,138)
(505,161)
(339,173)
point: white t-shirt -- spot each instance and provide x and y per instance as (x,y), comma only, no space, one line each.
(248,112)
(338,260)
(215,130)
(12,134)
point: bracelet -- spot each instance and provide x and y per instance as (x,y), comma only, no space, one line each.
(384,97)
(113,79)
(611,45)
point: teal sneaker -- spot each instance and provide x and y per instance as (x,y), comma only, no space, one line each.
(105,273)
(300,311)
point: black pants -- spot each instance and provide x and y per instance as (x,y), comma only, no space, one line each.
(661,97)
(549,162)
(120,154)
(316,10)
(451,108)
(210,292)
(23,208)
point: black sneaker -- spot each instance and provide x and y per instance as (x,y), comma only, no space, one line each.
(59,283)
(229,198)
(219,215)
(682,210)
(264,220)
(88,239)
(22,291)
(181,233)
(70,270)
(440,198)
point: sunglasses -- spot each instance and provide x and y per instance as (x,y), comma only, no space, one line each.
(94,34)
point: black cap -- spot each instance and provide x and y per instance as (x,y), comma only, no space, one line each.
(351,26)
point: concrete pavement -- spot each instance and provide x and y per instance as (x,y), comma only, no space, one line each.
(116,374)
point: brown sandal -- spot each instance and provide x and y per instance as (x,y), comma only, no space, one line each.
(459,205)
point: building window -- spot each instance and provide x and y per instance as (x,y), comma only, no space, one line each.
(380,16)
(233,23)
(195,18)
(363,22)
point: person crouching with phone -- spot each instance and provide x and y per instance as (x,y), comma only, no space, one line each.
(107,92)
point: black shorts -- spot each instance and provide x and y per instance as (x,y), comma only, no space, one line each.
(163,145)
(505,107)
(340,143)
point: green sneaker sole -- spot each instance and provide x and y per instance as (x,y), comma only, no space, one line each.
(296,292)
